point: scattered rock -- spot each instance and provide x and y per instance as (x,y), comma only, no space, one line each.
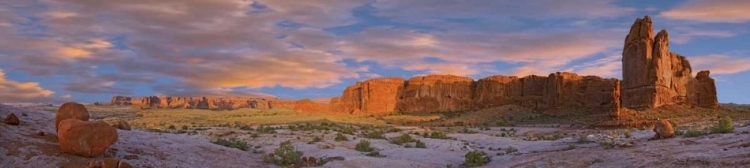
(663,129)
(85,138)
(24,114)
(117,123)
(71,110)
(40,133)
(12,119)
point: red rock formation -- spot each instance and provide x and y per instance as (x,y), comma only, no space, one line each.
(703,93)
(373,96)
(85,138)
(653,76)
(71,110)
(308,106)
(436,93)
(212,103)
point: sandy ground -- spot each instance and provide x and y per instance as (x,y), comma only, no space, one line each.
(21,147)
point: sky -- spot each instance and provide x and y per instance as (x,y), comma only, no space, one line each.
(73,50)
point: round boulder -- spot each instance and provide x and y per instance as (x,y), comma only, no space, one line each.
(85,138)
(12,119)
(70,110)
(663,129)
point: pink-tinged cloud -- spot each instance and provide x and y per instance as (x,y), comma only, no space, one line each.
(17,92)
(608,67)
(720,64)
(728,11)
(684,35)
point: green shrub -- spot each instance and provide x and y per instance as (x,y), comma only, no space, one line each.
(692,133)
(364,146)
(439,135)
(583,139)
(232,143)
(341,137)
(375,135)
(628,134)
(725,125)
(285,155)
(476,158)
(421,144)
(404,138)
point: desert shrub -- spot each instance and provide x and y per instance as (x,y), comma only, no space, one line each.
(315,140)
(439,135)
(246,128)
(692,133)
(255,135)
(285,155)
(374,154)
(404,138)
(341,137)
(476,158)
(606,144)
(628,134)
(510,150)
(375,135)
(266,130)
(421,144)
(364,146)
(583,139)
(723,126)
(571,147)
(171,127)
(184,127)
(232,143)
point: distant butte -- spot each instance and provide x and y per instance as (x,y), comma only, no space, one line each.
(652,77)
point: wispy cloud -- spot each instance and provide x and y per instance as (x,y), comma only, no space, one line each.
(721,64)
(728,11)
(16,92)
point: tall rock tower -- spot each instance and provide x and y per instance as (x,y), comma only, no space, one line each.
(653,76)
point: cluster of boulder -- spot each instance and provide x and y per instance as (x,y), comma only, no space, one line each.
(77,135)
(211,103)
(652,77)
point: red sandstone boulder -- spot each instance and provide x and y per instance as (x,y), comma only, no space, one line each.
(71,110)
(85,138)
(12,119)
(663,129)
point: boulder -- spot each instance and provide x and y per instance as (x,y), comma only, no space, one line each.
(12,119)
(85,138)
(663,129)
(71,110)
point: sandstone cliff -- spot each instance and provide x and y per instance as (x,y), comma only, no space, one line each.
(653,76)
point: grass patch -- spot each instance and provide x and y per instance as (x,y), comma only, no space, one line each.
(232,143)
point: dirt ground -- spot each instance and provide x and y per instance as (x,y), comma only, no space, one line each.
(540,146)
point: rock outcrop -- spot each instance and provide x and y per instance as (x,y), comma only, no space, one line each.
(563,92)
(71,110)
(12,119)
(85,138)
(653,76)
(211,103)
(309,106)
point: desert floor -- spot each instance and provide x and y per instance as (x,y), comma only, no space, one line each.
(177,138)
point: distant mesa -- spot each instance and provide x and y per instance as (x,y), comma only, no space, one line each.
(210,103)
(653,77)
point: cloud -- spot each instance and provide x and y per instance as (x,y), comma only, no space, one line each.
(17,92)
(684,35)
(720,64)
(197,91)
(727,11)
(609,66)
(494,8)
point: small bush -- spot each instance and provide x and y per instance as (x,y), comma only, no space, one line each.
(266,130)
(510,150)
(476,158)
(341,137)
(364,146)
(583,139)
(232,143)
(171,127)
(628,134)
(725,125)
(439,135)
(692,133)
(421,144)
(315,140)
(404,138)
(285,155)
(375,135)
(571,147)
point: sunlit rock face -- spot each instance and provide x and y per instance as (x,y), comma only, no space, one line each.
(653,76)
